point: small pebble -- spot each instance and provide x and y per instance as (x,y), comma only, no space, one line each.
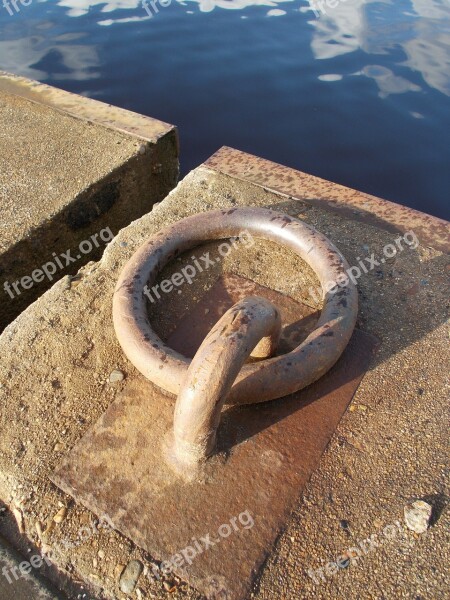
(130,576)
(418,515)
(377,523)
(49,526)
(101,554)
(60,515)
(116,376)
(118,570)
(19,518)
(39,531)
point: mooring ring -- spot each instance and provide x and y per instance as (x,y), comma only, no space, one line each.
(260,381)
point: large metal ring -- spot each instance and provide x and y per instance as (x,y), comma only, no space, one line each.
(264,380)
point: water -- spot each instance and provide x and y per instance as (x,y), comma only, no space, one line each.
(359,95)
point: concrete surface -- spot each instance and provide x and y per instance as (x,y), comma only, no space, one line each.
(22,585)
(391,447)
(70,167)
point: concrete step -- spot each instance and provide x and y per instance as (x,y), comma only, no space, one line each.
(73,172)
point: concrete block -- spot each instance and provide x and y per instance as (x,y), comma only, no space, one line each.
(56,359)
(70,168)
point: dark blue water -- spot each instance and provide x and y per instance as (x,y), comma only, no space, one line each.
(359,95)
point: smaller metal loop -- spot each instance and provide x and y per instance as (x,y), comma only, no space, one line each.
(212,373)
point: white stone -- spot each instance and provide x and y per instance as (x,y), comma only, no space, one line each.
(418,515)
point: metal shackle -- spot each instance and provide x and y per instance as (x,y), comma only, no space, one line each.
(260,381)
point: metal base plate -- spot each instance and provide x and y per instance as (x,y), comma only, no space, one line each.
(266,454)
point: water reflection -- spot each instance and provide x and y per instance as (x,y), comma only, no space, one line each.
(82,7)
(421,30)
(428,50)
(387,82)
(305,91)
(209,5)
(33,57)
(77,8)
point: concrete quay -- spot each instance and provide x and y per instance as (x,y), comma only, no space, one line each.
(390,448)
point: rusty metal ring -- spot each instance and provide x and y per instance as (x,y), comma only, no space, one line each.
(257,382)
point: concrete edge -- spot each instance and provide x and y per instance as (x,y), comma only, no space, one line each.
(88,109)
(119,177)
(23,584)
(356,205)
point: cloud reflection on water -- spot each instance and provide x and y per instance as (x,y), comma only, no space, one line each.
(32,57)
(422,33)
(419,29)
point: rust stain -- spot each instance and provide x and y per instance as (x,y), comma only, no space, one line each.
(280,441)
(334,197)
